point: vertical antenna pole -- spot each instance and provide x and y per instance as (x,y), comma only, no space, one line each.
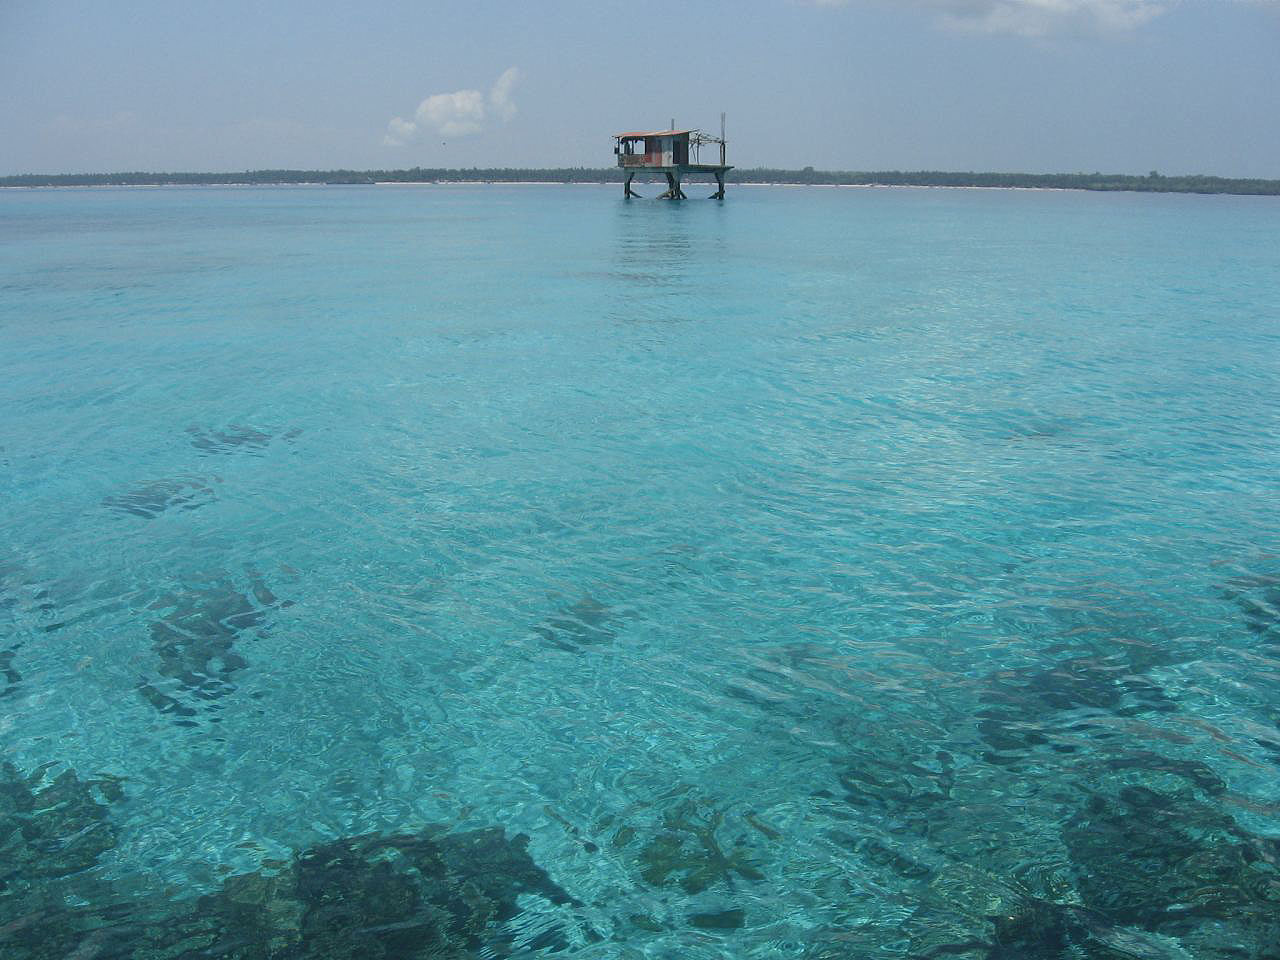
(722,138)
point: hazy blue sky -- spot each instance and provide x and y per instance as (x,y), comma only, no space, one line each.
(1037,85)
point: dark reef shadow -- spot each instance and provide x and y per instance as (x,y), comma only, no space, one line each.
(153,499)
(197,643)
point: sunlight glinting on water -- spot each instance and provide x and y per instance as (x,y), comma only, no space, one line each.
(518,571)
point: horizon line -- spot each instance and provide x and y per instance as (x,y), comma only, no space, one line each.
(1096,181)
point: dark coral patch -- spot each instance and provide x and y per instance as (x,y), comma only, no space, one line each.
(153,499)
(51,827)
(910,790)
(1051,706)
(1258,597)
(374,897)
(582,624)
(688,851)
(1168,863)
(721,920)
(196,643)
(236,438)
(9,676)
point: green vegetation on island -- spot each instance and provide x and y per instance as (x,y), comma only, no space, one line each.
(1151,183)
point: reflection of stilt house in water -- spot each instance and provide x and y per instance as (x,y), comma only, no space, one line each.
(673,152)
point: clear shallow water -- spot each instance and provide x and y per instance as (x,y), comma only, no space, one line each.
(521,572)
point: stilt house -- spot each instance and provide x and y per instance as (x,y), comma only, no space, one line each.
(669,152)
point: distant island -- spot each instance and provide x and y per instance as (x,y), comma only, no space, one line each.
(1151,183)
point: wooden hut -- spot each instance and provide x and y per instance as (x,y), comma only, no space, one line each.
(675,153)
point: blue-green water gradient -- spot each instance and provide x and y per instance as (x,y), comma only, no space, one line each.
(820,573)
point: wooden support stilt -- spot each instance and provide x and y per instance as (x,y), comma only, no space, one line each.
(626,187)
(719,194)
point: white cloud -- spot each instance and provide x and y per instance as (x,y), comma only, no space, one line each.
(500,93)
(459,114)
(1039,17)
(399,132)
(1034,18)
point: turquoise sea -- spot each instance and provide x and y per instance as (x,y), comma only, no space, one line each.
(516,571)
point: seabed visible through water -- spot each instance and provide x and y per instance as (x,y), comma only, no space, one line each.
(517,572)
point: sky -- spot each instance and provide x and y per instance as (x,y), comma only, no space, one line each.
(1125,86)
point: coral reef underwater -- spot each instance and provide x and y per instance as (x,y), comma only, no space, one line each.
(153,499)
(196,643)
(581,624)
(235,438)
(430,893)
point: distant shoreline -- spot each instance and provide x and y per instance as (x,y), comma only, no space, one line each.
(512,176)
(529,183)
(1095,182)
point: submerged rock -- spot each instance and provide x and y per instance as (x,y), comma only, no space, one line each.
(424,895)
(9,677)
(1258,597)
(1045,706)
(1040,930)
(1150,765)
(584,623)
(236,438)
(720,920)
(688,852)
(1164,861)
(148,502)
(908,788)
(51,827)
(968,912)
(196,645)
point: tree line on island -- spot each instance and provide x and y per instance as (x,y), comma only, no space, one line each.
(1153,182)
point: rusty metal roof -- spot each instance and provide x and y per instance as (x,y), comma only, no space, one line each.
(650,133)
